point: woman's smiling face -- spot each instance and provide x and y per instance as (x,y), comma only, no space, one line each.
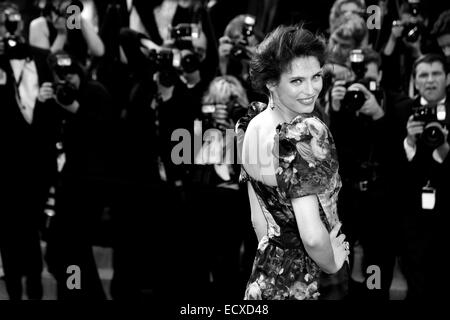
(299,86)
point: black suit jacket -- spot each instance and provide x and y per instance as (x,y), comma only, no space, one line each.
(24,162)
(423,167)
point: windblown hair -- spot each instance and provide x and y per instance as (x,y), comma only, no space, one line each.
(336,12)
(224,89)
(275,54)
(352,27)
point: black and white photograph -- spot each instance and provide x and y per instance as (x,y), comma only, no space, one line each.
(205,153)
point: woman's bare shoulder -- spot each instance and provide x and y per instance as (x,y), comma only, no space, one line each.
(257,157)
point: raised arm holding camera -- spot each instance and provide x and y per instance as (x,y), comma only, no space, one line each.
(236,47)
(62,27)
(409,39)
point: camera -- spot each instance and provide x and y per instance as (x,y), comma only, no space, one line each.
(12,21)
(65,92)
(183,33)
(354,99)
(15,47)
(412,31)
(239,51)
(184,30)
(233,107)
(166,63)
(433,117)
(170,62)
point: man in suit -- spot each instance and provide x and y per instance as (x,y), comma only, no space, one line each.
(426,171)
(23,165)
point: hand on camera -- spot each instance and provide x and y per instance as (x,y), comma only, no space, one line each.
(371,107)
(60,25)
(414,47)
(414,129)
(225,46)
(46,92)
(220,116)
(337,94)
(341,249)
(396,31)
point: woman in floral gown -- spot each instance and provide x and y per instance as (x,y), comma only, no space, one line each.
(290,165)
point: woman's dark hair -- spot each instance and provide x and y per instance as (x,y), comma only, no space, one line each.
(275,54)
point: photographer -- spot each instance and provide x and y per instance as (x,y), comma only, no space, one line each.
(408,40)
(52,31)
(361,128)
(75,114)
(351,34)
(24,162)
(426,170)
(214,194)
(237,46)
(166,97)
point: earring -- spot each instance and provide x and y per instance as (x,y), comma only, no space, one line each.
(271,104)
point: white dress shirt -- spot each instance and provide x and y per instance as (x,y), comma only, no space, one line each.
(135,21)
(25,74)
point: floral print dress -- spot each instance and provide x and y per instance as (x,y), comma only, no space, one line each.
(307,165)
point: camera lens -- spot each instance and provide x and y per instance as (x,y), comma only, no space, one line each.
(65,93)
(353,100)
(432,135)
(190,63)
(412,33)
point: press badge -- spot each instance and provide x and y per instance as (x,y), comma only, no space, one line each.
(428,197)
(2,77)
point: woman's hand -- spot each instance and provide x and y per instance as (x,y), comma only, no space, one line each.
(341,248)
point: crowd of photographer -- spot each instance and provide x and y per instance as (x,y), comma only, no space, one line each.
(88,119)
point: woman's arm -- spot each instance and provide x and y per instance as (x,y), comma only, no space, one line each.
(258,220)
(94,43)
(313,233)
